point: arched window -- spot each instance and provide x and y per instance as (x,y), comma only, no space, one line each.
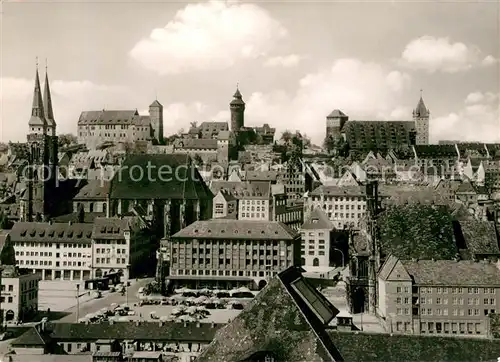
(315,262)
(302,261)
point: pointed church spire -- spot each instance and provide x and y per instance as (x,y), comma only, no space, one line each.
(47,103)
(37,118)
(421,110)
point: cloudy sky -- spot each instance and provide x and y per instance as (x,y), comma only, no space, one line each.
(294,62)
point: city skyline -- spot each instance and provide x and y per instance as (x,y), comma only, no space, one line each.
(294,62)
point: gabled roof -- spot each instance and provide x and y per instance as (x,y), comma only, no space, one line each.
(237,229)
(383,347)
(32,338)
(37,118)
(466,188)
(107,117)
(156,104)
(421,110)
(262,175)
(282,322)
(480,237)
(171,176)
(51,232)
(317,220)
(453,273)
(378,135)
(94,190)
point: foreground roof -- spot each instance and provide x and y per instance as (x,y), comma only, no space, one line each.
(387,348)
(237,229)
(278,323)
(317,220)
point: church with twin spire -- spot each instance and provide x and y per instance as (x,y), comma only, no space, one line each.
(40,174)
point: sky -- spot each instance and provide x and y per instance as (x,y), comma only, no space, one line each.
(294,61)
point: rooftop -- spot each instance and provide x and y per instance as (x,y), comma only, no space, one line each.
(317,220)
(51,232)
(237,229)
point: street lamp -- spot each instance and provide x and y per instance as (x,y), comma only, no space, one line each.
(77,302)
(126,284)
(341,252)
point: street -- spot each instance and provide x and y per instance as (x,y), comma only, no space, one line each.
(107,299)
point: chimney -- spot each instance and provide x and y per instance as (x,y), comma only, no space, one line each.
(70,223)
(161,324)
(137,323)
(42,326)
(212,324)
(185,323)
(50,222)
(198,324)
(87,321)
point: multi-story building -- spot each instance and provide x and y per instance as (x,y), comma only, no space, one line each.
(19,299)
(438,296)
(266,133)
(232,252)
(225,205)
(98,127)
(345,206)
(316,237)
(257,200)
(80,251)
(210,150)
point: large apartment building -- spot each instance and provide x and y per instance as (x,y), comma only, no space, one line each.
(79,251)
(230,253)
(438,296)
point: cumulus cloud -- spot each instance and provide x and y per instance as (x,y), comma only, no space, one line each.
(69,98)
(441,54)
(478,120)
(286,61)
(362,90)
(208,36)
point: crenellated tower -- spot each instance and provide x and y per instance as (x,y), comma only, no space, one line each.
(237,107)
(421,117)
(156,116)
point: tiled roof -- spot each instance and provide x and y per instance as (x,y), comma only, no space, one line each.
(88,217)
(93,190)
(20,150)
(156,104)
(32,338)
(110,228)
(336,113)
(227,195)
(466,188)
(436,151)
(317,220)
(471,149)
(196,144)
(261,175)
(453,273)
(378,135)
(224,135)
(51,232)
(237,229)
(141,120)
(107,117)
(146,331)
(417,231)
(171,177)
(380,347)
(257,190)
(335,190)
(276,323)
(480,236)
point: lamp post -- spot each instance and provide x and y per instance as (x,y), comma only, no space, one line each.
(77,302)
(126,284)
(341,252)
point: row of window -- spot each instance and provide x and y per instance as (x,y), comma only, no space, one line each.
(312,252)
(49,263)
(456,290)
(107,251)
(438,327)
(49,245)
(234,273)
(108,261)
(227,263)
(338,198)
(49,254)
(458,301)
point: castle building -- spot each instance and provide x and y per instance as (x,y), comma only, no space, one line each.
(237,107)
(98,127)
(41,173)
(376,135)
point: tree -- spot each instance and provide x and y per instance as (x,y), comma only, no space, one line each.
(67,139)
(329,144)
(194,124)
(286,136)
(80,214)
(306,140)
(5,223)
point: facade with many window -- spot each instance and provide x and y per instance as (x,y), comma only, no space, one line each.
(232,252)
(345,206)
(316,236)
(438,297)
(80,251)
